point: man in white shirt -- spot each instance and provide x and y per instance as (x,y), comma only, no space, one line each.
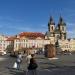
(28,58)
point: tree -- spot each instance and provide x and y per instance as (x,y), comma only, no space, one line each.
(56,44)
(10,48)
(58,48)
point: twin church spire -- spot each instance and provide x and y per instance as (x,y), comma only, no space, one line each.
(59,31)
(51,21)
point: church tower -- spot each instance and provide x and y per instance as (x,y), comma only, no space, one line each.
(62,28)
(51,26)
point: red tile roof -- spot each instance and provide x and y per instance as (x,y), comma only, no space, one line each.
(31,35)
(11,38)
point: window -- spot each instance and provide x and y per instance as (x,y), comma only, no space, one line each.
(63,28)
(52,27)
(26,45)
(24,40)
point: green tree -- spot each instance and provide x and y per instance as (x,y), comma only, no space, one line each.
(56,44)
(10,48)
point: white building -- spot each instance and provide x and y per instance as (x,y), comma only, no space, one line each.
(30,40)
(3,43)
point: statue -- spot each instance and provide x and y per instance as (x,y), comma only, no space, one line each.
(50,51)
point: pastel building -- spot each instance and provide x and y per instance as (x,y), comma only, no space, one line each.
(30,40)
(3,43)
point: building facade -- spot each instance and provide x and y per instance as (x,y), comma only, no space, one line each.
(59,33)
(3,43)
(27,40)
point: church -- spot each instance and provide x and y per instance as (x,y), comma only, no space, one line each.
(57,31)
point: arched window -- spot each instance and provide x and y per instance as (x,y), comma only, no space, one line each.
(52,27)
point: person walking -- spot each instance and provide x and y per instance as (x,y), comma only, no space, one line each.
(19,60)
(32,67)
(28,58)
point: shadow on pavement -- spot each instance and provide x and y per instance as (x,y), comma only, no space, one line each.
(16,72)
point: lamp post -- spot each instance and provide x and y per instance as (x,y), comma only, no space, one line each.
(43,47)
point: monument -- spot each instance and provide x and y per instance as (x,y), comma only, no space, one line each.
(50,51)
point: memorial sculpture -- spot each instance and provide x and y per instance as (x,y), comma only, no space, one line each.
(50,51)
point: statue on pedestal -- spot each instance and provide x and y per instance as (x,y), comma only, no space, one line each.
(50,51)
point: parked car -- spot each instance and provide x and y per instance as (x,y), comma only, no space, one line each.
(2,52)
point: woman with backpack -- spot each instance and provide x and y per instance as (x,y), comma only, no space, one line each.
(32,67)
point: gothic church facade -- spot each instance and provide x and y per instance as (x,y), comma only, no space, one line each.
(57,31)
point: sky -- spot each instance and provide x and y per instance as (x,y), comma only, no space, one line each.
(18,16)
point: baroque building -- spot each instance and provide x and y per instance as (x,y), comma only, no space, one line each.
(30,40)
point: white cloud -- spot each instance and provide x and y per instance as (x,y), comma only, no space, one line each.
(71,33)
(70,30)
(70,24)
(43,25)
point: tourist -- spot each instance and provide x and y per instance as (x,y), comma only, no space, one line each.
(19,60)
(32,67)
(28,58)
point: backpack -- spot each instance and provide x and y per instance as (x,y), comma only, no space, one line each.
(32,66)
(18,60)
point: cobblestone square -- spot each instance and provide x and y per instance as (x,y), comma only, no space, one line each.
(64,65)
